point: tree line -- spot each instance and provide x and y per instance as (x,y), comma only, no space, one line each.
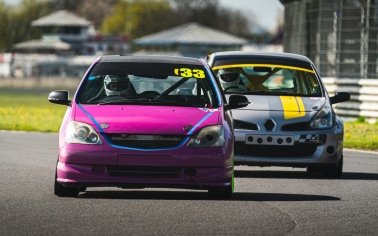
(134,18)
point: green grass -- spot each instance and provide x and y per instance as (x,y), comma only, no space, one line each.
(33,112)
(361,135)
(29,112)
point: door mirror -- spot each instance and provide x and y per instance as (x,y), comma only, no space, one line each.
(59,97)
(340,97)
(237,101)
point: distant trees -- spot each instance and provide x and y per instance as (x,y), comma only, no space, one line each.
(214,15)
(5,18)
(135,18)
(15,22)
(95,11)
(139,18)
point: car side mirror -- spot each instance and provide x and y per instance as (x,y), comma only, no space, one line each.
(237,101)
(340,97)
(59,97)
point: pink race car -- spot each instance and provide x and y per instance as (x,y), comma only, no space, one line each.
(147,121)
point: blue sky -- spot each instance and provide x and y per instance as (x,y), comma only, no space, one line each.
(266,11)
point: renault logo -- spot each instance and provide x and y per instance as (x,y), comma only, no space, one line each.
(269,125)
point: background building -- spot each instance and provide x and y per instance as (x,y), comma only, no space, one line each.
(68,46)
(191,40)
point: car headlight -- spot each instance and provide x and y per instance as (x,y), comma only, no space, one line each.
(78,132)
(323,120)
(211,136)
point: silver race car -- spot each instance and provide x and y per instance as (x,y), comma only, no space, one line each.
(290,120)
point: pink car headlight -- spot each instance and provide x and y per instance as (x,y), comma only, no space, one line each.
(82,133)
(211,136)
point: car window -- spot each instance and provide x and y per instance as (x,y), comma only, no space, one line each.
(277,80)
(158,84)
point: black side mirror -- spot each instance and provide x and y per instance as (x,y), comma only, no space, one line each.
(340,97)
(237,101)
(59,97)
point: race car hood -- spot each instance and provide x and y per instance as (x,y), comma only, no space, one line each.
(146,119)
(281,107)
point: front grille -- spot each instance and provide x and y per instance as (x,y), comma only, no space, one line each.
(238,124)
(147,172)
(297,150)
(145,141)
(300,126)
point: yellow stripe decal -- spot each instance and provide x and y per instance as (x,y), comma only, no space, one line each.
(262,65)
(293,107)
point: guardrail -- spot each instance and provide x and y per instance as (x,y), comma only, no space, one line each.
(363,98)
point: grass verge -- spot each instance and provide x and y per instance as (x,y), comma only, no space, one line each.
(29,112)
(361,135)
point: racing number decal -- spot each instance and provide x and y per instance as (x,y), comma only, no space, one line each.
(187,73)
(293,107)
(199,74)
(184,72)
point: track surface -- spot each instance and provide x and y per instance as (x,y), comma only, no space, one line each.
(267,201)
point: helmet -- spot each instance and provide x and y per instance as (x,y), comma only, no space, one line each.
(229,77)
(117,85)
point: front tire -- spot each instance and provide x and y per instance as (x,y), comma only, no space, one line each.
(61,191)
(334,172)
(221,193)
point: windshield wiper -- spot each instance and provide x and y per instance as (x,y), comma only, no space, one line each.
(116,102)
(138,101)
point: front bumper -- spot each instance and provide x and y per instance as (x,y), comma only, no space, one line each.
(310,148)
(73,175)
(114,168)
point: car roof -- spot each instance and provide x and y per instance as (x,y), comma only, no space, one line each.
(151,59)
(252,57)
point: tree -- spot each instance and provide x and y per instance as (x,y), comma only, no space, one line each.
(95,11)
(210,13)
(15,25)
(138,18)
(70,5)
(5,19)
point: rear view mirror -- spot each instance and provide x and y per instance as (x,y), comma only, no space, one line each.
(262,69)
(153,76)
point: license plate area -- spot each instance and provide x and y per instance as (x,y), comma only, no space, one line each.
(262,139)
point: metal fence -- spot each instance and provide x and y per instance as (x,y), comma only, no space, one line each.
(340,36)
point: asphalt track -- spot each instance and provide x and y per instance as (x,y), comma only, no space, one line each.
(267,201)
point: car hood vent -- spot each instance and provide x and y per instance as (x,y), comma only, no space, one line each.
(238,124)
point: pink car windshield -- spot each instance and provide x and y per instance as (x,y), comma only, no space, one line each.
(149,83)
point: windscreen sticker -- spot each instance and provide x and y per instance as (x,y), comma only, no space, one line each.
(263,65)
(293,107)
(209,109)
(190,73)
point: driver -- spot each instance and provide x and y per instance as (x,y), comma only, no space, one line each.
(117,85)
(230,80)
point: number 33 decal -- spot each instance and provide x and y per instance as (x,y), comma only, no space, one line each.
(186,72)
